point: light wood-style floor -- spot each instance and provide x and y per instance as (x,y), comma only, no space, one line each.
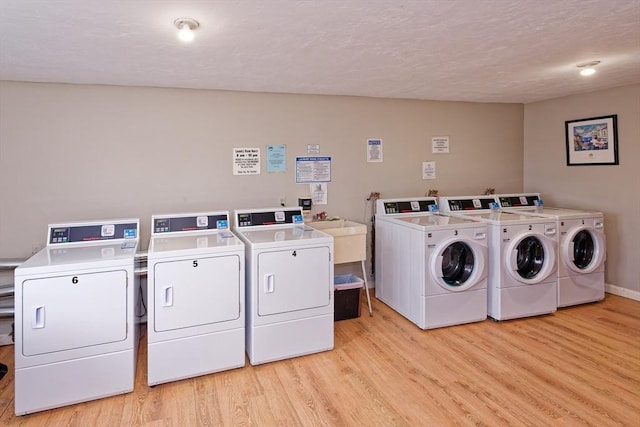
(579,366)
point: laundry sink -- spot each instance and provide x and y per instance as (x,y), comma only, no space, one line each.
(349,239)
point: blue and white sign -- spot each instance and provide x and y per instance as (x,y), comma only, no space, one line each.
(310,169)
(374,150)
(276,158)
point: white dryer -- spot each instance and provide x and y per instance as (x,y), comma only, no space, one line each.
(289,284)
(522,257)
(432,268)
(581,247)
(76,332)
(195,288)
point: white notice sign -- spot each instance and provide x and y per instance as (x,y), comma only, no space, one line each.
(374,150)
(246,161)
(428,170)
(318,193)
(440,144)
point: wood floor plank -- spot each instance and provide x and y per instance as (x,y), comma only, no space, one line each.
(578,366)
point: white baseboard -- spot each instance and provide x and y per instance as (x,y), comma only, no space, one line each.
(622,292)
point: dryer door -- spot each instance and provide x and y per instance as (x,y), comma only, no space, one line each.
(458,264)
(196,292)
(583,249)
(74,311)
(530,258)
(293,279)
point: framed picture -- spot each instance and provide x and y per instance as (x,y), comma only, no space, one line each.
(592,141)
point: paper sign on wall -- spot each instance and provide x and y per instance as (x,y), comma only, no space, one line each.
(374,150)
(313,169)
(428,170)
(276,158)
(246,161)
(440,144)
(318,193)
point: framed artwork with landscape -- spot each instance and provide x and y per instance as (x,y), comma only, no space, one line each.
(592,141)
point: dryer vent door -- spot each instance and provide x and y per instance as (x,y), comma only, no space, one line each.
(75,311)
(293,279)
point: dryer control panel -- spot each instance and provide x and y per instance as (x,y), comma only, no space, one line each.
(88,232)
(269,217)
(162,224)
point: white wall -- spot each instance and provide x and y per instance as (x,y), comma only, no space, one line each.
(614,190)
(79,152)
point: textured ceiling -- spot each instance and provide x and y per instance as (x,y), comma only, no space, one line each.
(463,50)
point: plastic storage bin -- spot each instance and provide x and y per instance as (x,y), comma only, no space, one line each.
(347,296)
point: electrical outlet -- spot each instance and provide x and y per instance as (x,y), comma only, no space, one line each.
(283,200)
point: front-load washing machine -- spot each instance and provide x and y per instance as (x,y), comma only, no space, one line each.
(76,335)
(581,247)
(522,257)
(195,288)
(387,209)
(289,284)
(433,266)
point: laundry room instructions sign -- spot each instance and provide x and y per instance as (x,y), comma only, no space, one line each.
(246,161)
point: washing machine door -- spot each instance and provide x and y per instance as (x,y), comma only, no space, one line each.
(583,249)
(530,258)
(458,264)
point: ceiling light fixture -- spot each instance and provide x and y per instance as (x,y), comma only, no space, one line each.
(186,27)
(586,69)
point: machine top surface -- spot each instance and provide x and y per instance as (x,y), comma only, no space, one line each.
(112,252)
(294,233)
(194,241)
(506,218)
(558,213)
(438,220)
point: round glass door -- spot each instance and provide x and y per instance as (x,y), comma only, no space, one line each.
(583,249)
(530,257)
(457,264)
